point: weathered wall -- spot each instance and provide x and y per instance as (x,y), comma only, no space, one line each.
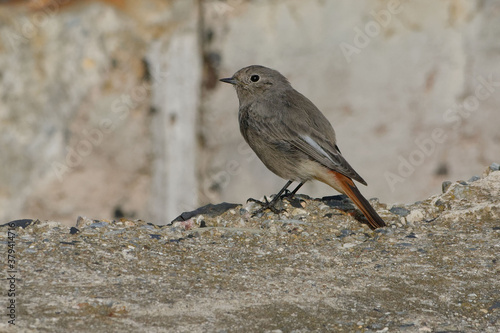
(101,111)
(95,99)
(386,87)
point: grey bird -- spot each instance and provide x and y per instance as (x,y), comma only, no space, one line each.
(292,137)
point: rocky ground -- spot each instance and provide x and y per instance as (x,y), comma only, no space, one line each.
(312,268)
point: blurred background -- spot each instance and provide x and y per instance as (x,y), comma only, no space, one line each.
(113,109)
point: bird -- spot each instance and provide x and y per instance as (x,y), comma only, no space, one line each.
(292,137)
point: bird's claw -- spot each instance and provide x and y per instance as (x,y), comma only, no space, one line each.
(265,205)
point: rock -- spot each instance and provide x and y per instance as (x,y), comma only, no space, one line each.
(473,179)
(23,223)
(100,224)
(415,215)
(242,267)
(83,221)
(462,191)
(401,211)
(445,186)
(210,209)
(494,166)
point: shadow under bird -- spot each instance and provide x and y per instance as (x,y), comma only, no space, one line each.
(292,137)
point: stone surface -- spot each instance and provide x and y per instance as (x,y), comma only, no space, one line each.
(237,273)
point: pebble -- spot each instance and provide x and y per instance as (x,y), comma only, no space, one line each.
(323,207)
(402,221)
(445,186)
(461,192)
(82,221)
(298,211)
(473,179)
(495,166)
(401,211)
(99,224)
(415,216)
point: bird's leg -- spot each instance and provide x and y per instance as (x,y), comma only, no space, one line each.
(270,204)
(289,194)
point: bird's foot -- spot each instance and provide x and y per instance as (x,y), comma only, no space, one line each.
(265,205)
(287,195)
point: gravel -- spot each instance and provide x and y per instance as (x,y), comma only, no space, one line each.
(312,268)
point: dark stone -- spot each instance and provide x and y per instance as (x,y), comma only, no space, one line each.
(338,201)
(445,186)
(339,197)
(73,231)
(155,236)
(401,211)
(411,235)
(473,179)
(495,305)
(69,243)
(18,223)
(210,210)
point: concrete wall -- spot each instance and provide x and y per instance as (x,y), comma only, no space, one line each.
(113,108)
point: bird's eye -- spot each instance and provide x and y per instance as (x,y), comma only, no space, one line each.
(254,78)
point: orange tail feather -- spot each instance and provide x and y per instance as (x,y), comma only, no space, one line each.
(346,185)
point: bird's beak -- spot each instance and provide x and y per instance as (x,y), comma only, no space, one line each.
(230,80)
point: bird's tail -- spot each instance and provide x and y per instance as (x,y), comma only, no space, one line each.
(345,185)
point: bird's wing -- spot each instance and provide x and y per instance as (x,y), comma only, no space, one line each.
(304,127)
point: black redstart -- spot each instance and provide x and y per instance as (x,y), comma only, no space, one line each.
(292,137)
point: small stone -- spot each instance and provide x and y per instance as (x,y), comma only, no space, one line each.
(495,166)
(83,221)
(462,192)
(299,211)
(100,224)
(415,216)
(402,221)
(323,207)
(401,211)
(445,186)
(73,231)
(473,179)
